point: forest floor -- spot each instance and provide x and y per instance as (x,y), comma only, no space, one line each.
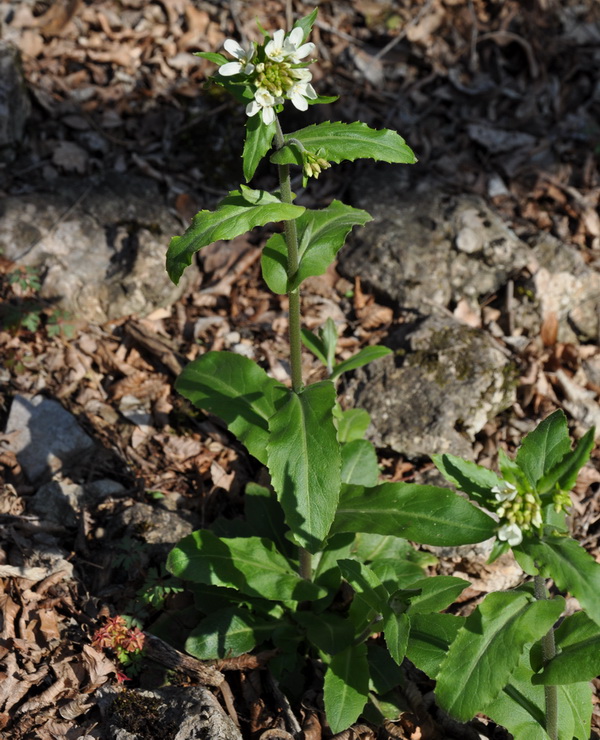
(497,98)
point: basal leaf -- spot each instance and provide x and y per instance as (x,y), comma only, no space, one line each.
(346,687)
(569,565)
(363,357)
(434,593)
(424,514)
(304,461)
(237,390)
(385,672)
(227,633)
(366,585)
(430,638)
(350,141)
(359,463)
(234,216)
(252,565)
(396,573)
(475,480)
(545,446)
(330,632)
(259,138)
(487,649)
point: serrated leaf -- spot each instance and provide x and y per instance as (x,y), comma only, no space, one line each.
(234,216)
(564,474)
(569,565)
(321,234)
(363,357)
(474,480)
(259,137)
(520,707)
(545,446)
(487,650)
(424,514)
(303,457)
(252,565)
(346,687)
(227,633)
(359,463)
(395,628)
(430,638)
(352,424)
(237,390)
(349,141)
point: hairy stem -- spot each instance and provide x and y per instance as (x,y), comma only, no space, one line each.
(291,240)
(548,652)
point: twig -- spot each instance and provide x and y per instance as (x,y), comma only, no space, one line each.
(166,655)
(282,701)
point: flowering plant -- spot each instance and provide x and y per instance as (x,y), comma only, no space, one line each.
(326,518)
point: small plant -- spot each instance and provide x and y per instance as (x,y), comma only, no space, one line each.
(277,577)
(126,642)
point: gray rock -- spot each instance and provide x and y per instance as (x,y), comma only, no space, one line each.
(173,713)
(15,105)
(429,247)
(61,501)
(443,383)
(101,251)
(45,437)
(157,526)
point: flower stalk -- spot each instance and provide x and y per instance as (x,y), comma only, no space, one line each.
(548,652)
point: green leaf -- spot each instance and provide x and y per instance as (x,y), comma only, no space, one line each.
(304,461)
(330,632)
(511,472)
(569,565)
(211,57)
(346,687)
(306,23)
(329,336)
(237,390)
(542,448)
(576,663)
(396,628)
(474,480)
(264,516)
(424,514)
(349,141)
(359,463)
(259,137)
(564,474)
(520,707)
(430,638)
(234,216)
(363,357)
(366,585)
(433,594)
(252,565)
(227,633)
(352,424)
(321,234)
(385,672)
(312,342)
(396,573)
(487,650)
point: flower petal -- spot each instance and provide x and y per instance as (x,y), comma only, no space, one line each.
(234,48)
(295,37)
(304,50)
(252,108)
(231,68)
(268,115)
(298,101)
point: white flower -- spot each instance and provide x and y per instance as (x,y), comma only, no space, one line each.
(505,491)
(289,48)
(511,533)
(264,102)
(300,90)
(536,520)
(242,66)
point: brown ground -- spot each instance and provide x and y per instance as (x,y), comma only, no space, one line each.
(478,88)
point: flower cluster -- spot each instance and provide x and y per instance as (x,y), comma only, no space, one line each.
(518,512)
(116,636)
(275,71)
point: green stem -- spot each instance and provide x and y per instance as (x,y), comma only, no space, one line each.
(548,652)
(291,240)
